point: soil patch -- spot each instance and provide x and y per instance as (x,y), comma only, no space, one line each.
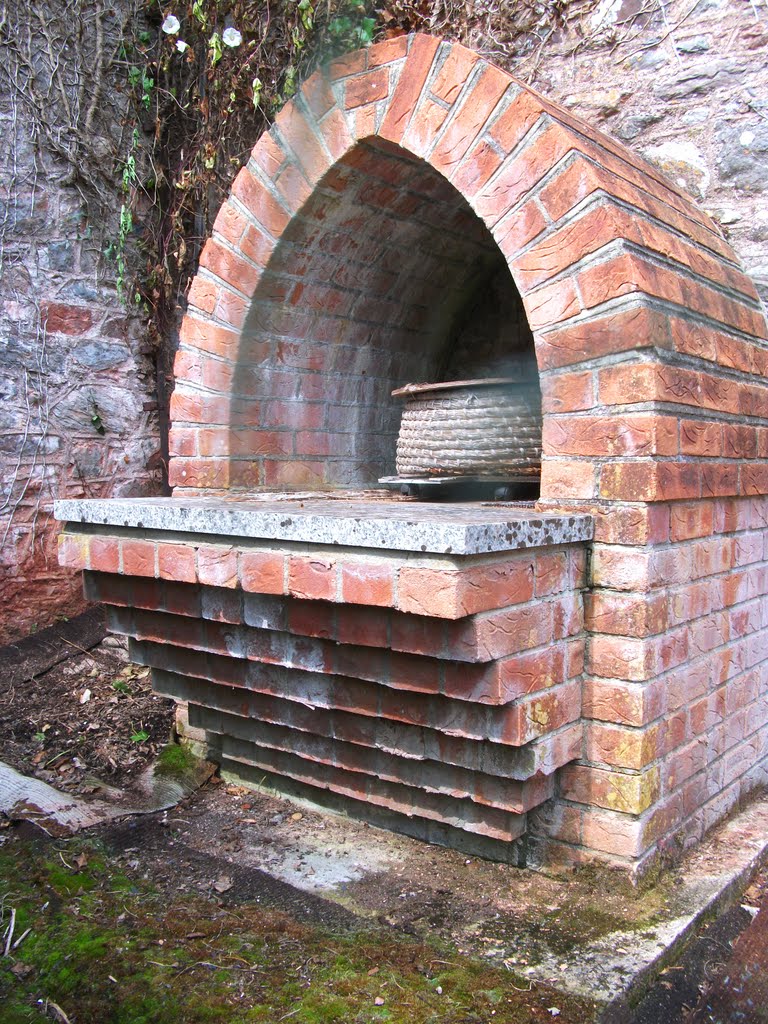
(89,720)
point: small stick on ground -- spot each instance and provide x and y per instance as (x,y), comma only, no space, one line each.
(9,933)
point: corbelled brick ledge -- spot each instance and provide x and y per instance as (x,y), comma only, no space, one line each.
(420,666)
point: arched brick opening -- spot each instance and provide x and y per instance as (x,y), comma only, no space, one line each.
(347,246)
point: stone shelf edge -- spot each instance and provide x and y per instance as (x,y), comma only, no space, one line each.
(458,529)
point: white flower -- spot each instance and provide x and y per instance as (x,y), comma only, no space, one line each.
(231,37)
(181,46)
(171,25)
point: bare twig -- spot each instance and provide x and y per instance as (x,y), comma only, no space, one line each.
(9,932)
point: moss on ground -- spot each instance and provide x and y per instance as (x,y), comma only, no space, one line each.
(176,761)
(109,949)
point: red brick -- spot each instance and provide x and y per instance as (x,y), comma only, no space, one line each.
(312,618)
(475,170)
(239,442)
(624,274)
(453,73)
(138,557)
(754,479)
(611,832)
(312,578)
(719,479)
(336,134)
(621,568)
(202,334)
(262,572)
(366,88)
(635,615)
(650,481)
(516,120)
(626,330)
(188,366)
(701,437)
(469,119)
(365,121)
(182,442)
(257,246)
(231,308)
(359,625)
(424,126)
(691,520)
(561,479)
(567,392)
(298,134)
(641,434)
(578,180)
(230,224)
(408,89)
(73,551)
(105,554)
(178,599)
(298,473)
(597,227)
(294,188)
(230,267)
(349,64)
(318,94)
(527,673)
(623,747)
(268,154)
(203,294)
(617,791)
(176,562)
(367,583)
(551,573)
(522,173)
(623,703)
(388,51)
(217,565)
(258,201)
(739,441)
(551,304)
(451,593)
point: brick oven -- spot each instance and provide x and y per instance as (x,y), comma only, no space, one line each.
(583,677)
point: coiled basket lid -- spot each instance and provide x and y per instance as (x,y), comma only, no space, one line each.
(477,428)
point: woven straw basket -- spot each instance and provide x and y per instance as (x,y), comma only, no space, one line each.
(479,428)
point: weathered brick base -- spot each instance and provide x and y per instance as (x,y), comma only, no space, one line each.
(448,695)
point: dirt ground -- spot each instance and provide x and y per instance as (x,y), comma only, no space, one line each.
(92,717)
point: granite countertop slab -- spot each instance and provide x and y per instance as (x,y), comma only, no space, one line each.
(467,528)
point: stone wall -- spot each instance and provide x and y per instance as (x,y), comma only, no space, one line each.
(77,388)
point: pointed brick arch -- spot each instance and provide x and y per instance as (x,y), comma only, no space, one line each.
(635,300)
